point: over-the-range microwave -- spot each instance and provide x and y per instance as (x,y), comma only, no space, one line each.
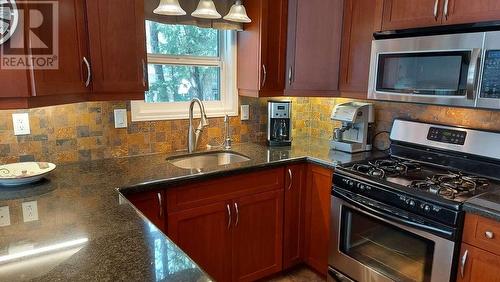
(453,69)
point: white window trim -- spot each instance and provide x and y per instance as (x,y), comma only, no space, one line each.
(228,105)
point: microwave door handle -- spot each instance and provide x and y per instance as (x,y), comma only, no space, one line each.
(473,74)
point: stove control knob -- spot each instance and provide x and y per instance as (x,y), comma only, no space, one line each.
(410,202)
(351,183)
(427,208)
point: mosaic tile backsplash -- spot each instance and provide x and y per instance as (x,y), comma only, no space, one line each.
(85,131)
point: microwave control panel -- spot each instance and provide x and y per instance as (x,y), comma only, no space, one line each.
(448,136)
(491,75)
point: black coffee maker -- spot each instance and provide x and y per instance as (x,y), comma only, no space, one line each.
(279,123)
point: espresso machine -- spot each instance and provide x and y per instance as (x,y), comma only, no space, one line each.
(279,123)
(356,122)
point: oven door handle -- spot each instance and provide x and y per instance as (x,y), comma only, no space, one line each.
(363,208)
(473,74)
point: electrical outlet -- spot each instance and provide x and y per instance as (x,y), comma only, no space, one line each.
(30,211)
(21,123)
(121,118)
(245,112)
(4,216)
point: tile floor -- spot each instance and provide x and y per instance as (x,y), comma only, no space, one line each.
(301,274)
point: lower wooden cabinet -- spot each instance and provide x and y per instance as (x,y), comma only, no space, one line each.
(152,206)
(476,265)
(319,185)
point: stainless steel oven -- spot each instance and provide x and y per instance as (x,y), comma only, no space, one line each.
(367,244)
(453,70)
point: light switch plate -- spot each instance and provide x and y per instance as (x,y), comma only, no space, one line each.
(30,211)
(21,123)
(121,118)
(4,216)
(245,112)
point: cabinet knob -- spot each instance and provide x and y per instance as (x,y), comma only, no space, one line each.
(489,234)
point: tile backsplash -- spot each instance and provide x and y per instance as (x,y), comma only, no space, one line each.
(85,131)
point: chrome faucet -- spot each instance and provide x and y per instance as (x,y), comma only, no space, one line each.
(194,134)
(227,135)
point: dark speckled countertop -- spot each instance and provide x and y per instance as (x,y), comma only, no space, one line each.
(86,230)
(487,205)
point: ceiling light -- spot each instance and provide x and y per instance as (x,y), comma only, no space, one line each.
(169,8)
(238,13)
(206,10)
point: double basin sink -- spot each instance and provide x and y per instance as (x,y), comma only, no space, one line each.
(207,159)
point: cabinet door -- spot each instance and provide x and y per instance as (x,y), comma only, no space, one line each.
(314,38)
(319,185)
(151,206)
(358,27)
(466,11)
(401,14)
(117,47)
(477,265)
(293,237)
(71,75)
(258,236)
(204,234)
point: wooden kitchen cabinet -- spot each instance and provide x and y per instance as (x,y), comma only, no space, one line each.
(401,14)
(152,206)
(466,11)
(117,49)
(313,54)
(319,186)
(204,233)
(294,217)
(257,236)
(476,264)
(357,34)
(262,49)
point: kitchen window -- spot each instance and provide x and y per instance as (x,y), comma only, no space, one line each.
(186,62)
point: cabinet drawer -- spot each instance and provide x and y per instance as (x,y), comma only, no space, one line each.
(224,188)
(482,232)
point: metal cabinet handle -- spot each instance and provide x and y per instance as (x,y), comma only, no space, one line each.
(89,71)
(144,73)
(160,203)
(264,78)
(290,75)
(472,73)
(237,214)
(489,234)
(290,177)
(446,4)
(436,6)
(463,262)
(229,216)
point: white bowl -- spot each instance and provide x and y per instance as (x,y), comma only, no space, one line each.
(24,173)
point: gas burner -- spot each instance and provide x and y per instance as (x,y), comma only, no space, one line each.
(387,168)
(451,185)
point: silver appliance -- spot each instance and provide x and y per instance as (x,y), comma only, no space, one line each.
(279,123)
(356,119)
(400,217)
(453,70)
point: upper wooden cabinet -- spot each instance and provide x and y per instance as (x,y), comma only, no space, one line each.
(262,49)
(466,11)
(360,21)
(313,55)
(117,48)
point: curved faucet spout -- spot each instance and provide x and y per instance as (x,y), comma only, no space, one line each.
(194,134)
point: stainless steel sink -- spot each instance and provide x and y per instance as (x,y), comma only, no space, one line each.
(207,160)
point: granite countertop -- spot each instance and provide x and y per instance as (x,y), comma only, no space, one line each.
(86,229)
(487,205)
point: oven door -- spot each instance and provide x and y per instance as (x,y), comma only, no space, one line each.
(441,69)
(367,247)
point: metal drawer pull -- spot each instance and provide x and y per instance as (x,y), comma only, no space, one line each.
(237,214)
(265,75)
(290,75)
(160,203)
(290,178)
(89,72)
(489,234)
(463,262)
(436,6)
(446,4)
(229,216)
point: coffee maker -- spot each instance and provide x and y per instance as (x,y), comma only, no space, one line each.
(279,123)
(356,122)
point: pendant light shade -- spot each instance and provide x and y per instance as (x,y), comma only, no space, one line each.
(169,8)
(238,13)
(206,10)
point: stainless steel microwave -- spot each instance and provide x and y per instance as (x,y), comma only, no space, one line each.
(454,70)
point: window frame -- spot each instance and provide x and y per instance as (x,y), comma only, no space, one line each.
(228,104)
